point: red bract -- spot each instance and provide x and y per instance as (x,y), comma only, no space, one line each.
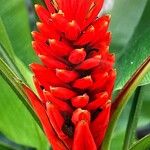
(76,77)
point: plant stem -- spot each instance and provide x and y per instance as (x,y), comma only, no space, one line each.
(133,120)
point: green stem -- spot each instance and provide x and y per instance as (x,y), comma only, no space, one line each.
(133,120)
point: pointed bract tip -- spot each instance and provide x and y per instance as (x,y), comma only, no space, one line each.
(33,66)
(105,94)
(59,70)
(98,56)
(80,114)
(92,28)
(61,12)
(41,56)
(88,77)
(51,41)
(36,6)
(80,50)
(52,88)
(49,104)
(53,15)
(106,23)
(72,23)
(39,24)
(33,43)
(109,16)
(33,33)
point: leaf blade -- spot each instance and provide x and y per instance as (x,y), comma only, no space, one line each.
(139,47)
(122,32)
(22,138)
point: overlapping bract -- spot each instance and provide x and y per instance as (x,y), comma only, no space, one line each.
(76,77)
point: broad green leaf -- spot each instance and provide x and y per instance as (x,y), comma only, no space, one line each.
(6,50)
(138,49)
(143,144)
(122,100)
(126,15)
(8,60)
(15,20)
(14,81)
(8,54)
(17,123)
(4,40)
(15,37)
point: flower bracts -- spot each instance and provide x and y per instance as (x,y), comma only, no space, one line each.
(76,77)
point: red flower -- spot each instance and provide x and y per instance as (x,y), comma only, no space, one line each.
(76,78)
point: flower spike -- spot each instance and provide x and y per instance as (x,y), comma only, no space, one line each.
(76,77)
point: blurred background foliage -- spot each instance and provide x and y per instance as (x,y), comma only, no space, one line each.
(130,27)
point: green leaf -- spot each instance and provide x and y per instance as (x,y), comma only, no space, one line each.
(8,54)
(5,147)
(133,120)
(6,51)
(126,15)
(122,100)
(8,60)
(143,144)
(16,115)
(6,144)
(16,123)
(136,51)
(4,41)
(15,20)
(14,81)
